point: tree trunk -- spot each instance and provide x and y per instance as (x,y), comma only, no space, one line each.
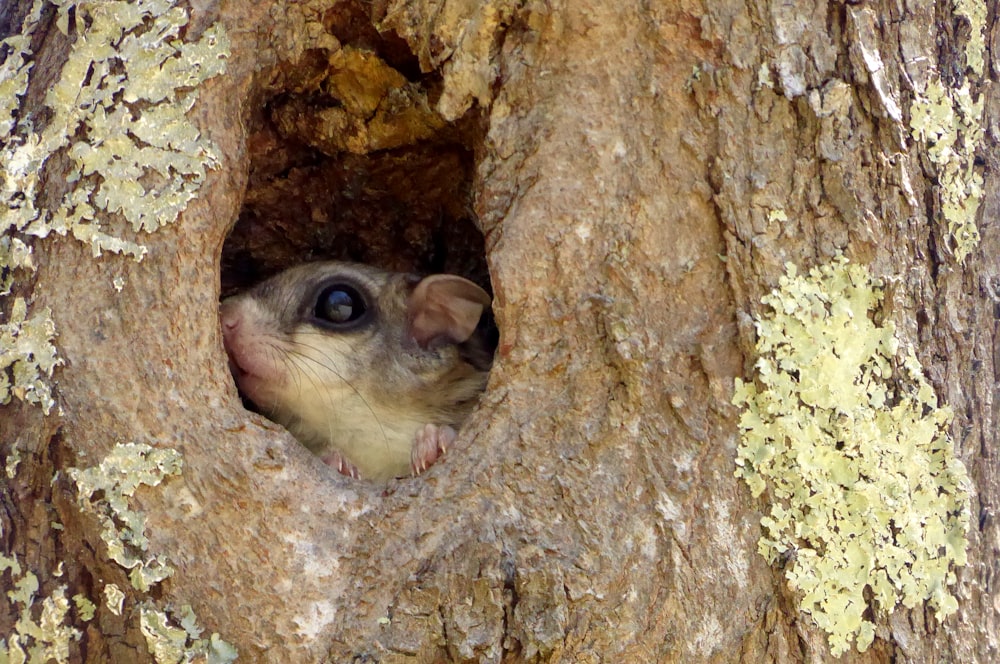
(643,178)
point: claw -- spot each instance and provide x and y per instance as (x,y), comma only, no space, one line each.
(429,444)
(343,466)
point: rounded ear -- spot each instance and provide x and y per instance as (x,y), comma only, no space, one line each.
(444,309)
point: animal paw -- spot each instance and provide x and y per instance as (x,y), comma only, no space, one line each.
(343,466)
(430,443)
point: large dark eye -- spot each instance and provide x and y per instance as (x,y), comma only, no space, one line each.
(340,304)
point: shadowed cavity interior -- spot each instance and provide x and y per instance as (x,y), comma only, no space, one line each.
(349,161)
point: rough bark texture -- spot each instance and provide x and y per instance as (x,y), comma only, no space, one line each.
(623,164)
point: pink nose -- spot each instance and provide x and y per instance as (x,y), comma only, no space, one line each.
(231,318)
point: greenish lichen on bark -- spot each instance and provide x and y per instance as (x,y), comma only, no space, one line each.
(119,106)
(866,494)
(181,645)
(84,607)
(114,598)
(949,122)
(104,489)
(974,11)
(27,358)
(41,633)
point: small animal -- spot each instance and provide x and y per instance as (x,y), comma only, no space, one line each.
(371,370)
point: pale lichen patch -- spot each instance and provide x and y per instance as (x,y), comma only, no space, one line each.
(14,255)
(867,496)
(40,633)
(975,50)
(776,215)
(175,645)
(27,356)
(13,460)
(105,489)
(165,642)
(114,598)
(949,121)
(16,67)
(120,106)
(85,609)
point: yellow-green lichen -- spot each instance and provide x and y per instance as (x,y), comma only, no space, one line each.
(40,632)
(120,107)
(866,495)
(974,11)
(27,356)
(105,489)
(176,645)
(949,121)
(14,255)
(85,609)
(14,73)
(15,68)
(114,598)
(13,460)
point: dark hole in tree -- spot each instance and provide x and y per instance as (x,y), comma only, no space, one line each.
(349,161)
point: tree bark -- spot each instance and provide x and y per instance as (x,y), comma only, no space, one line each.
(642,176)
